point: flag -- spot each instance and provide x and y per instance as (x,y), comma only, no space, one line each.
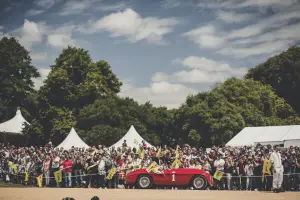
(58,176)
(159,152)
(111,173)
(177,152)
(176,164)
(266,169)
(218,175)
(135,167)
(141,153)
(151,166)
(26,176)
(15,168)
(89,167)
(39,180)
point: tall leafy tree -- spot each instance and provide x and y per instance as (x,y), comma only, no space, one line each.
(74,82)
(16,74)
(107,120)
(282,72)
(214,117)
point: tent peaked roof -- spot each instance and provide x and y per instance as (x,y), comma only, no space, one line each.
(14,125)
(133,139)
(73,140)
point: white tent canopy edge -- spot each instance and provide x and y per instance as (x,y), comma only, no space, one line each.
(72,140)
(132,139)
(273,135)
(15,125)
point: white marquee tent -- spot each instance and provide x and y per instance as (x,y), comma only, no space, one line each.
(131,136)
(281,135)
(14,125)
(73,140)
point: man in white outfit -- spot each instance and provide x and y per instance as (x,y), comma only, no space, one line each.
(276,161)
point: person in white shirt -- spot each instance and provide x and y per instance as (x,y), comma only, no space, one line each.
(276,161)
(249,168)
(102,172)
(219,165)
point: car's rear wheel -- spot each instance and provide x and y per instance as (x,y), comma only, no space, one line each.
(199,182)
(144,182)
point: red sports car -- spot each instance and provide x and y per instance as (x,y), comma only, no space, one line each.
(198,179)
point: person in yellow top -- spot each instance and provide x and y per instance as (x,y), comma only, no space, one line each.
(266,173)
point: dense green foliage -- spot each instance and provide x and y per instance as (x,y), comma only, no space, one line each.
(74,82)
(16,73)
(214,117)
(107,120)
(282,72)
(81,93)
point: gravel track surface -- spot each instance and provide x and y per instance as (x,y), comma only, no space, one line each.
(122,194)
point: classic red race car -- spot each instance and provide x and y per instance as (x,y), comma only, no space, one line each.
(198,179)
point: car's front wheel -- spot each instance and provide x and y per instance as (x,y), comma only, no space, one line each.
(199,183)
(144,182)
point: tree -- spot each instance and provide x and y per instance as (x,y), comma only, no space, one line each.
(214,117)
(16,74)
(107,120)
(282,72)
(74,82)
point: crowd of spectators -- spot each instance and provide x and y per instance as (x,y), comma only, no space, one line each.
(242,167)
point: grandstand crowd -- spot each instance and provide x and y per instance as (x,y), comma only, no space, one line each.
(243,167)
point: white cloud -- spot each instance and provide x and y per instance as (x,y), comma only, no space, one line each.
(170,3)
(203,71)
(62,37)
(205,36)
(7,9)
(249,3)
(42,6)
(60,40)
(45,4)
(233,17)
(38,56)
(238,4)
(30,33)
(159,93)
(132,26)
(266,48)
(38,82)
(74,7)
(1,28)
(113,7)
(275,21)
(265,36)
(33,12)
(289,32)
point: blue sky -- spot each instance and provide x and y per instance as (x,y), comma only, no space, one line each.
(162,50)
